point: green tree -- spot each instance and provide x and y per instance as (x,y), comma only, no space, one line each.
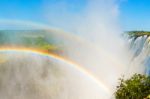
(136,87)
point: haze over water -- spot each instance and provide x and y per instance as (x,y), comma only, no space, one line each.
(92,40)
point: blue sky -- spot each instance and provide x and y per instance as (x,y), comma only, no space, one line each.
(21,9)
(134,14)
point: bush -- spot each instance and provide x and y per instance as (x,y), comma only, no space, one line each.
(136,87)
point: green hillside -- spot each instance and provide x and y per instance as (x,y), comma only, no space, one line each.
(37,39)
(137,34)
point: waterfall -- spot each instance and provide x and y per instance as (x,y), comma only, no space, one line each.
(139,44)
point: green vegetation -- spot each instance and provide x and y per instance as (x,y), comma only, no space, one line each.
(136,34)
(37,39)
(136,87)
(38,42)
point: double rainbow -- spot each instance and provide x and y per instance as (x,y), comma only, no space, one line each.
(61,59)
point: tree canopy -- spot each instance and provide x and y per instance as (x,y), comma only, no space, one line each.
(136,87)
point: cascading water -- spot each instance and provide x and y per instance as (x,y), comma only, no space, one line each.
(89,76)
(101,55)
(139,45)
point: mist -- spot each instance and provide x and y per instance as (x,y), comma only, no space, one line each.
(28,75)
(105,53)
(92,39)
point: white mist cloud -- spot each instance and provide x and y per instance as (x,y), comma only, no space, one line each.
(102,53)
(31,76)
(97,22)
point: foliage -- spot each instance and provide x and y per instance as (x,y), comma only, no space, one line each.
(137,34)
(136,87)
(39,43)
(37,39)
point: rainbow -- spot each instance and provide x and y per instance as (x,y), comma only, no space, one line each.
(33,25)
(61,59)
